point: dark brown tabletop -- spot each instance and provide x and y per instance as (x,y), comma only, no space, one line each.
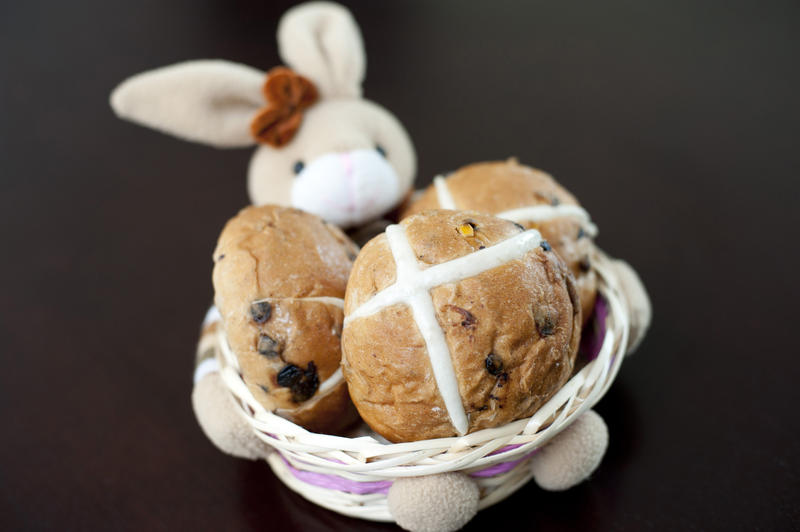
(676,124)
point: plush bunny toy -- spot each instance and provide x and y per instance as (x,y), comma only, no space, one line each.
(322,147)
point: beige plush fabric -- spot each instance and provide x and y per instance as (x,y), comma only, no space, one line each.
(214,408)
(436,503)
(322,41)
(206,101)
(573,455)
(339,126)
(511,331)
(349,151)
(222,424)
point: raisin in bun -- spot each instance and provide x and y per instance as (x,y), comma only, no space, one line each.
(279,279)
(456,321)
(529,197)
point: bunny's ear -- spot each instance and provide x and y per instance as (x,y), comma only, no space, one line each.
(321,41)
(212,102)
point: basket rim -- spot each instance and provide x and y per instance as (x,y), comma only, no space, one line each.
(368,458)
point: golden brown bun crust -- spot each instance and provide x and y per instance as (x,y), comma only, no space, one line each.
(330,414)
(494,187)
(283,255)
(577,252)
(390,377)
(524,314)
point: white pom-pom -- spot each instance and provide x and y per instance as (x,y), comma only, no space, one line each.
(436,503)
(223,425)
(573,455)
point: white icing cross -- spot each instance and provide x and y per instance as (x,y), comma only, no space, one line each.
(533,213)
(335,301)
(443,193)
(543,213)
(412,286)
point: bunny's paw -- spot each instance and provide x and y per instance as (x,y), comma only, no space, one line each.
(573,455)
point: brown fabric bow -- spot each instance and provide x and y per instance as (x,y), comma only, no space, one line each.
(288,94)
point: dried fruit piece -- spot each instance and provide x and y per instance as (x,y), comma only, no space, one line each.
(545,322)
(469,320)
(585,264)
(467,229)
(302,384)
(267,346)
(494,364)
(260,311)
(307,385)
(545,245)
(289,375)
(502,379)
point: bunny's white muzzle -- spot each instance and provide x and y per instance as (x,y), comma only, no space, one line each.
(347,188)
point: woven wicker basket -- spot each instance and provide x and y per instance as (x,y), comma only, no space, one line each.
(352,475)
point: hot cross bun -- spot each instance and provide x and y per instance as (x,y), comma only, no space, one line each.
(279,279)
(456,321)
(529,197)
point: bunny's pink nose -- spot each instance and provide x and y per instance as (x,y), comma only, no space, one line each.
(347,162)
(347,187)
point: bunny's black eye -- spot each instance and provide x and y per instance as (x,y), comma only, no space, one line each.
(380,150)
(298,167)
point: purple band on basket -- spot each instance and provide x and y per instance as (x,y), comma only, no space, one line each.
(334,482)
(595,330)
(502,467)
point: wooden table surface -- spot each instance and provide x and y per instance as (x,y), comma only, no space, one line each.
(676,124)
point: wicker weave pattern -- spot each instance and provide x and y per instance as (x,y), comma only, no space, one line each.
(369,459)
